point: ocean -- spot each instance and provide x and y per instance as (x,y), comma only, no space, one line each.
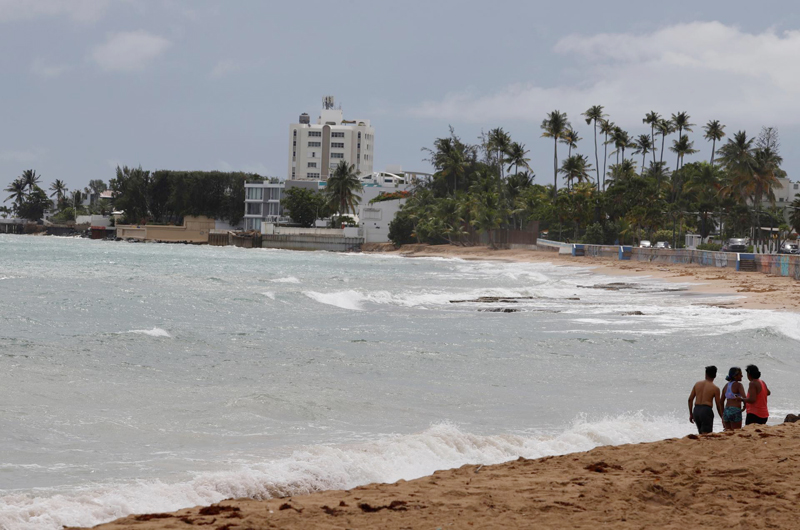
(137,378)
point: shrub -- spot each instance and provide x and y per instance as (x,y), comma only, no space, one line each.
(401,230)
(714,247)
(594,235)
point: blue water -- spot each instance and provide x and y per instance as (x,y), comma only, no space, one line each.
(149,377)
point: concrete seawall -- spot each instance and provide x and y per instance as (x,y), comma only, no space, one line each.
(311,242)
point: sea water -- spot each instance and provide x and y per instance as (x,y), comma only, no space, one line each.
(148,377)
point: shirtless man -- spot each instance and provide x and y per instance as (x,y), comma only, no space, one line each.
(705,394)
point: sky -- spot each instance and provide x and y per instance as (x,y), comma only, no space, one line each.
(210,85)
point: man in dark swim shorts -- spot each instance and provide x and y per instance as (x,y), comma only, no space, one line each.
(704,395)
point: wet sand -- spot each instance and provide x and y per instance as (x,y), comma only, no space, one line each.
(746,479)
(748,290)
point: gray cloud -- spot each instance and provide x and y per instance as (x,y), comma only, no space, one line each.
(78,10)
(129,51)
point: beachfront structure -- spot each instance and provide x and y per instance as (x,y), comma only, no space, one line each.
(785,195)
(262,204)
(315,149)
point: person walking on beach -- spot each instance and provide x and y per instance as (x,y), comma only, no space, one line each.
(756,400)
(704,394)
(732,397)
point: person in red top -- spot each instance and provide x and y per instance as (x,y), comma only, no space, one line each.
(756,400)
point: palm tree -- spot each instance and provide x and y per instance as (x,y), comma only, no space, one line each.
(643,145)
(342,188)
(606,127)
(59,189)
(499,142)
(595,114)
(17,191)
(714,131)
(766,162)
(652,118)
(681,122)
(622,141)
(571,139)
(794,218)
(554,126)
(516,157)
(682,147)
(576,167)
(664,127)
(31,179)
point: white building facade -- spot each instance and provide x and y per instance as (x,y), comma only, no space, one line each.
(316,149)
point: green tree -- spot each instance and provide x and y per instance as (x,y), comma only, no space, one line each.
(680,122)
(342,189)
(665,128)
(31,179)
(576,168)
(794,218)
(571,139)
(17,193)
(714,131)
(452,159)
(607,128)
(35,204)
(304,205)
(594,114)
(652,118)
(499,143)
(517,157)
(554,126)
(642,146)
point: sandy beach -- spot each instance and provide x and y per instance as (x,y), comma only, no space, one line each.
(752,290)
(728,480)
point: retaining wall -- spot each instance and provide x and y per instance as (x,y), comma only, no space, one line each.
(311,242)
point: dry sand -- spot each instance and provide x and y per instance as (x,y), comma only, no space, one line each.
(747,479)
(753,290)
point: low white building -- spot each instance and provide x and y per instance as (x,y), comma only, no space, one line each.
(262,204)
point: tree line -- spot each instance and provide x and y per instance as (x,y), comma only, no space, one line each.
(626,192)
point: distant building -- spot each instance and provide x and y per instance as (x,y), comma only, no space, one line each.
(315,149)
(262,204)
(785,195)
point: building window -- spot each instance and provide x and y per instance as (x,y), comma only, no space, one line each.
(255,194)
(312,164)
(294,132)
(253,208)
(359,136)
(315,133)
(371,213)
(312,175)
(337,155)
(337,135)
(313,154)
(315,144)
(337,144)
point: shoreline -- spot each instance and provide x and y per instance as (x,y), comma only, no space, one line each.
(673,483)
(747,290)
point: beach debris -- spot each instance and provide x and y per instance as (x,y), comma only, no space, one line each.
(151,516)
(331,511)
(394,506)
(632,313)
(216,509)
(791,418)
(493,300)
(287,506)
(601,467)
(615,286)
(479,468)
(500,310)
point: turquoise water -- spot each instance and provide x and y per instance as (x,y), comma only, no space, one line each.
(149,377)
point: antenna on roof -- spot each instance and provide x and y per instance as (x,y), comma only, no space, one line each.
(327,103)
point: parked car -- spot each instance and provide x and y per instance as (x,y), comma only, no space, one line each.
(644,244)
(735,244)
(662,244)
(790,247)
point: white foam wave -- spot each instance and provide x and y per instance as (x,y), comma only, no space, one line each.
(269,295)
(288,279)
(442,446)
(155,332)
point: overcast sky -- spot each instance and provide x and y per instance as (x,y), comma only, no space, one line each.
(168,84)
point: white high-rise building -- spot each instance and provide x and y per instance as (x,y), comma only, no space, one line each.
(316,149)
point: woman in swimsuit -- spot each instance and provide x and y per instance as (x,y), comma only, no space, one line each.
(732,400)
